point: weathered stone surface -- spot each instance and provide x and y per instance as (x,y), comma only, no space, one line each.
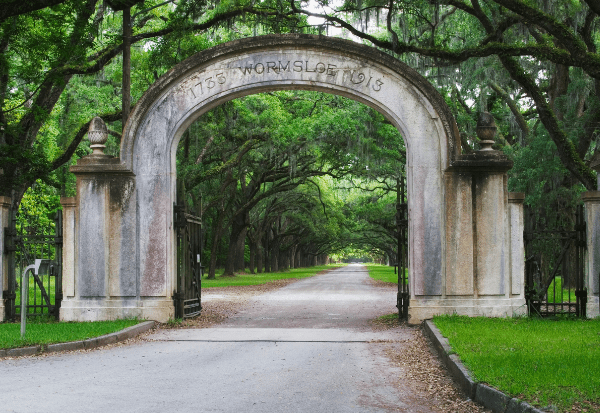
(69,206)
(23,351)
(459,234)
(116,308)
(486,306)
(517,248)
(491,398)
(70,346)
(491,249)
(125,258)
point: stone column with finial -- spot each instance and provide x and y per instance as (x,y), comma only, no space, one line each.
(99,281)
(484,242)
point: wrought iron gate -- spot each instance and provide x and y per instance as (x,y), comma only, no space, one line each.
(403,297)
(27,239)
(554,268)
(188,296)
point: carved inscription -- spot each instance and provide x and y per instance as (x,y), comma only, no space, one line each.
(202,84)
(354,76)
(205,84)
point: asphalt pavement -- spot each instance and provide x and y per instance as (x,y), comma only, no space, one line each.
(308,347)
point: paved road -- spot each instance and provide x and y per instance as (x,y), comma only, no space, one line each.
(308,347)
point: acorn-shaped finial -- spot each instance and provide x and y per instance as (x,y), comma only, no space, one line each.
(97,135)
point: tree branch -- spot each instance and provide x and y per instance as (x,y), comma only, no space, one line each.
(18,7)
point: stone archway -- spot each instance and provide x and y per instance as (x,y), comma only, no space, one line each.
(119,257)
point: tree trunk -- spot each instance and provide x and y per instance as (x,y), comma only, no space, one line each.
(212,266)
(267,255)
(252,256)
(240,263)
(259,257)
(238,227)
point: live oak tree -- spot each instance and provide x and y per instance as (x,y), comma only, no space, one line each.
(46,44)
(533,64)
(541,47)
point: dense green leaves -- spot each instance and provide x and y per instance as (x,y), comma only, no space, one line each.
(533,64)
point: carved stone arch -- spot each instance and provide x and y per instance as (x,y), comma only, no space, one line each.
(134,272)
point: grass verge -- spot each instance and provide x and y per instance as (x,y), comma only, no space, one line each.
(383,273)
(544,362)
(264,278)
(43,333)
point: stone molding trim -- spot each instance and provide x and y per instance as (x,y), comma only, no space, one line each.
(516,197)
(5,202)
(591,196)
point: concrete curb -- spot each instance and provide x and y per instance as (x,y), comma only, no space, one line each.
(483,394)
(90,343)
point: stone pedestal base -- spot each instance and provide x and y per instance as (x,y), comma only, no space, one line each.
(112,309)
(426,308)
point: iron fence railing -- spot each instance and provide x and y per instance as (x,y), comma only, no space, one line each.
(403,297)
(554,268)
(27,240)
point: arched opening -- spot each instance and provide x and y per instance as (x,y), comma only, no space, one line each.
(289,178)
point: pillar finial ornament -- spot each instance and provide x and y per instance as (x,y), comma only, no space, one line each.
(486,130)
(97,135)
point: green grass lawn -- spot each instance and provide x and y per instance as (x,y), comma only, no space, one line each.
(383,273)
(47,332)
(263,278)
(544,362)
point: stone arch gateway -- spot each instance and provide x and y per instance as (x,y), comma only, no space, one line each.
(465,243)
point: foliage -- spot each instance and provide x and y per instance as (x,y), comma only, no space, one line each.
(544,362)
(269,165)
(533,65)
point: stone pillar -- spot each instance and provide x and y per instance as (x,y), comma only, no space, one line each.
(101,278)
(484,238)
(591,201)
(484,250)
(4,223)
(99,243)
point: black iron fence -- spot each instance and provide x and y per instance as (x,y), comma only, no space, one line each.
(554,267)
(28,239)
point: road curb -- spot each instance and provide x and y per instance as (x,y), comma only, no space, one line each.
(489,397)
(88,344)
